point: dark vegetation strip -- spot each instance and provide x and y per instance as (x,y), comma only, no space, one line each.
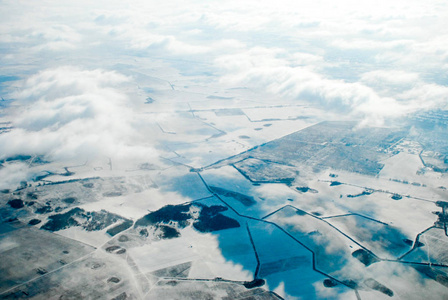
(337,216)
(70,181)
(444,219)
(381,191)
(274,212)
(356,214)
(218,279)
(257,269)
(417,263)
(416,242)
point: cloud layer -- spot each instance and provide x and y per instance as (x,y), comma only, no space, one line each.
(374,62)
(68,113)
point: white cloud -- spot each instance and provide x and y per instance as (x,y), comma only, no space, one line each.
(72,114)
(394,78)
(262,69)
(370,61)
(378,95)
(12,174)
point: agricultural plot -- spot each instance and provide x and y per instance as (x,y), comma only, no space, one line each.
(27,254)
(385,240)
(322,213)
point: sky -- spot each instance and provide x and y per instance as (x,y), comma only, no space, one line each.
(77,66)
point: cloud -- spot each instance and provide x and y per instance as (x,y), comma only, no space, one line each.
(12,174)
(132,30)
(68,114)
(377,96)
(390,78)
(262,69)
(369,62)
